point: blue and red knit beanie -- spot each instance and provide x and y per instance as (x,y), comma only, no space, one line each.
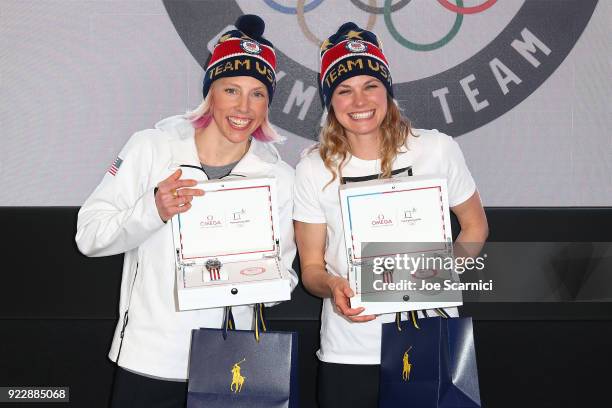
(243,52)
(351,51)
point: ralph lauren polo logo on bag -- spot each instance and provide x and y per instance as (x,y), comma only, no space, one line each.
(407,365)
(237,379)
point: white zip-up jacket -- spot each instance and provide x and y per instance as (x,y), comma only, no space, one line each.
(120,216)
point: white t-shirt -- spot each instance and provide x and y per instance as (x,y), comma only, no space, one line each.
(432,152)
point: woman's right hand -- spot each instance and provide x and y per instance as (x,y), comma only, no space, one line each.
(173,195)
(341,293)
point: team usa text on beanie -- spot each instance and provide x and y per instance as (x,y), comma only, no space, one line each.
(350,52)
(243,52)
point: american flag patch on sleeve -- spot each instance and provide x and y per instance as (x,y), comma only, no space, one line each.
(114,168)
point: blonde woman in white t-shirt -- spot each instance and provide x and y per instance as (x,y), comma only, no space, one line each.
(364,137)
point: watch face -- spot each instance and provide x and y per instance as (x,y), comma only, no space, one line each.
(213,264)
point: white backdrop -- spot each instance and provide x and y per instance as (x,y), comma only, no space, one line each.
(77,78)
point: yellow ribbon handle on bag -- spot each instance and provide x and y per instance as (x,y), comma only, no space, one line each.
(259,319)
(413,318)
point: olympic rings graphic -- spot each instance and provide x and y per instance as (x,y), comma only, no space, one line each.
(293,10)
(380,10)
(313,38)
(422,47)
(467,10)
(387,10)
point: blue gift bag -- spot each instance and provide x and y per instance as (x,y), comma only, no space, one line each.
(429,363)
(242,368)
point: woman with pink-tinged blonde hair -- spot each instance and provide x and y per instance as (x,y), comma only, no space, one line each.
(228,134)
(201,117)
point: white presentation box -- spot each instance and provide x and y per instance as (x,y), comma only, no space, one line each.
(227,246)
(396,217)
